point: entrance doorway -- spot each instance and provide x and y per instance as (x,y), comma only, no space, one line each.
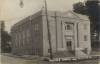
(69,45)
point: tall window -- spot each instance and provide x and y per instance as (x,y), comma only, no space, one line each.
(36,27)
(85,26)
(23,37)
(85,38)
(28,34)
(48,50)
(16,40)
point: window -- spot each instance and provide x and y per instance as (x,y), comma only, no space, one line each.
(85,38)
(27,33)
(68,27)
(48,50)
(16,40)
(23,34)
(36,27)
(69,43)
(85,26)
(23,37)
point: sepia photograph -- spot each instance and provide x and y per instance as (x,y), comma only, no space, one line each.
(49,31)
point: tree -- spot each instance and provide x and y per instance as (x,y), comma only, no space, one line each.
(5,39)
(80,8)
(93,9)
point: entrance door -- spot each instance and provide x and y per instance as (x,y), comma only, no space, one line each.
(69,45)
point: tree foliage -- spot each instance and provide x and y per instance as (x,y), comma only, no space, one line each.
(5,39)
(80,8)
(93,8)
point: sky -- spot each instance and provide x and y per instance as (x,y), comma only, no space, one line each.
(11,12)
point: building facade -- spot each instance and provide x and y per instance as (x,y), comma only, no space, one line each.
(69,32)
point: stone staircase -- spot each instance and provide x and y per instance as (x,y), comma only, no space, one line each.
(81,53)
(62,54)
(85,51)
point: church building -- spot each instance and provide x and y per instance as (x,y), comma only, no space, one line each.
(69,31)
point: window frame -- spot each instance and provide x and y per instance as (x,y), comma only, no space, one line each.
(69,26)
(85,38)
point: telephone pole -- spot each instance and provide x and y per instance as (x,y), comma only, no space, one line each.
(48,28)
(56,30)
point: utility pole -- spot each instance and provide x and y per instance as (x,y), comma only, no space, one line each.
(56,30)
(48,28)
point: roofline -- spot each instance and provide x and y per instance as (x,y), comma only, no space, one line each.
(24,20)
(38,13)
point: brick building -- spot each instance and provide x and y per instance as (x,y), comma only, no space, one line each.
(69,32)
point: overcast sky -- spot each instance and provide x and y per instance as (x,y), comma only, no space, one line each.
(11,12)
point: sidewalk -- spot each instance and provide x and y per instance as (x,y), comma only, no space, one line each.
(95,53)
(25,57)
(32,57)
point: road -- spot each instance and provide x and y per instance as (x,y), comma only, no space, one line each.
(14,60)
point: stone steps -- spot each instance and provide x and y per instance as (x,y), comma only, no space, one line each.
(62,54)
